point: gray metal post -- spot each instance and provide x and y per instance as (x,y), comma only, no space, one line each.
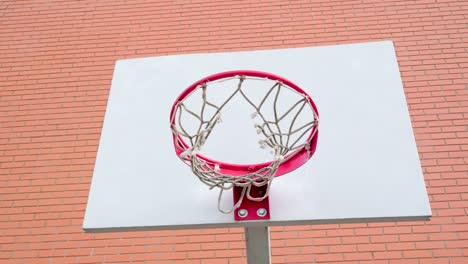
(257,241)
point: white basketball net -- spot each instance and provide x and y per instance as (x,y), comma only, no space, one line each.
(281,143)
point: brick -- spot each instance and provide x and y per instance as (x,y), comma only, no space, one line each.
(326,241)
(436,260)
(358,256)
(229,253)
(404,261)
(315,250)
(300,259)
(455,228)
(461,220)
(447,252)
(417,253)
(426,229)
(337,257)
(186,247)
(217,245)
(342,248)
(369,231)
(413,237)
(456,244)
(371,247)
(286,251)
(197,254)
(429,245)
(215,261)
(241,244)
(312,233)
(401,246)
(397,229)
(284,235)
(451,212)
(388,255)
(229,237)
(458,260)
(300,242)
(374,261)
(337,232)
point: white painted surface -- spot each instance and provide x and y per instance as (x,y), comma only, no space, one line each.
(366,167)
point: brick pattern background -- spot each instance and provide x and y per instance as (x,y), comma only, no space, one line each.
(56,63)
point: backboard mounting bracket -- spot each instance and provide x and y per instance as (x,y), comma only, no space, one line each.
(252,210)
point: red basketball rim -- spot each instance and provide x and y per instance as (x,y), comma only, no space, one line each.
(292,161)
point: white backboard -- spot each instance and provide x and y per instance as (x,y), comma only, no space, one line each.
(366,167)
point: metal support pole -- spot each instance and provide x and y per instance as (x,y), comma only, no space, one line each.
(257,241)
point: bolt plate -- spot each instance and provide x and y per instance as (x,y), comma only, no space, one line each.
(251,206)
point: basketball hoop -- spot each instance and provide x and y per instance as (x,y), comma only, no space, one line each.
(292,144)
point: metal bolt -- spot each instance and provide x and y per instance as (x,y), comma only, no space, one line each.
(242,213)
(261,212)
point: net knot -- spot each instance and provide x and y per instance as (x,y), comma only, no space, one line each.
(186,154)
(280,158)
(259,129)
(219,119)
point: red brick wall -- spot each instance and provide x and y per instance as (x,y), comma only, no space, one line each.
(56,63)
